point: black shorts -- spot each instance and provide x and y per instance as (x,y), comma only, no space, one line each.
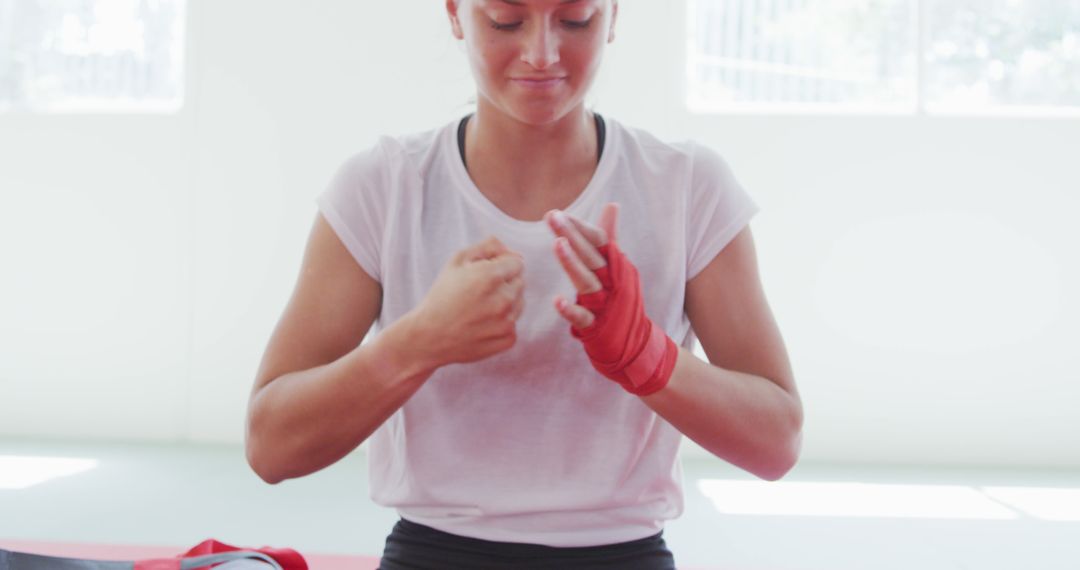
(413,546)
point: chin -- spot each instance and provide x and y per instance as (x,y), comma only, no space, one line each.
(540,114)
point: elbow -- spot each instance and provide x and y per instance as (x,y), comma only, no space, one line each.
(769,453)
(261,466)
(785,452)
(778,471)
(771,462)
(257,457)
(785,459)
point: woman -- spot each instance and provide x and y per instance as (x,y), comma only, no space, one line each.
(533,272)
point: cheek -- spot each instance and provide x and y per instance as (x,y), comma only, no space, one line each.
(584,54)
(489,53)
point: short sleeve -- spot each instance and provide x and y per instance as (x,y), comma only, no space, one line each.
(355,205)
(719,208)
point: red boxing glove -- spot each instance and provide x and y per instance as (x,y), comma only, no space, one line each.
(622,343)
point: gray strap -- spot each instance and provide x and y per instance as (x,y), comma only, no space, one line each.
(23,561)
(196,562)
(244,564)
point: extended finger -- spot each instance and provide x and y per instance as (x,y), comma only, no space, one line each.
(595,235)
(578,316)
(584,280)
(562,225)
(609,218)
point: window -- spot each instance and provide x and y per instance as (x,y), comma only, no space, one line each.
(91,55)
(993,54)
(885,55)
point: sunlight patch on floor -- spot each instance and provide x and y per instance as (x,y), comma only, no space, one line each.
(21,472)
(853,499)
(1046,503)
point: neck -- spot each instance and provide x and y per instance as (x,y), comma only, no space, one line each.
(527,157)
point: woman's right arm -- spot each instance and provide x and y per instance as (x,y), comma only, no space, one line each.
(307,410)
(319,393)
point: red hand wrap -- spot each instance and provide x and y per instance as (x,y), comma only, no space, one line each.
(622,343)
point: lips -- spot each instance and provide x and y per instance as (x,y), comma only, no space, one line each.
(537,82)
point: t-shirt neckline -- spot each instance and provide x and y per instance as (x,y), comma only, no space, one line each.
(580,207)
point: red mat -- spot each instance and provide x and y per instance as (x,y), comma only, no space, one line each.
(135,552)
(132,552)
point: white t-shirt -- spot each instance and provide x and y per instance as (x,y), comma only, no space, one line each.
(532,445)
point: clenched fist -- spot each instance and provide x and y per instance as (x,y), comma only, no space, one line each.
(471,311)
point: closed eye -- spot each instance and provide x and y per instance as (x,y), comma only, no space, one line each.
(505,27)
(511,26)
(582,24)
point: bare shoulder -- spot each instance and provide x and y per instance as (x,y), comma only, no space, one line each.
(731,317)
(332,306)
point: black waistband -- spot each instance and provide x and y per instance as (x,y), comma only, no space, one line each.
(415,546)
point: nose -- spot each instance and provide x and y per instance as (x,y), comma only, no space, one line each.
(541,46)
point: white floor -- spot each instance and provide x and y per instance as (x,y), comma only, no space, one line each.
(819,517)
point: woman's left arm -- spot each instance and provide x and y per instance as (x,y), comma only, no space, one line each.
(742,405)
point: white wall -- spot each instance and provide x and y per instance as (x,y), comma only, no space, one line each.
(920,268)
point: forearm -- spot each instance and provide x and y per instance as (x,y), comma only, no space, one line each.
(744,419)
(304,421)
